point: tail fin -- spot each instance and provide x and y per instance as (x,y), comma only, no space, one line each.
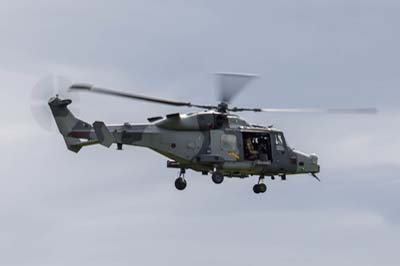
(67,124)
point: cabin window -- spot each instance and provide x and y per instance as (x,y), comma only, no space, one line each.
(229,142)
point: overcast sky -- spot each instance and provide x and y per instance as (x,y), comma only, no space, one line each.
(105,207)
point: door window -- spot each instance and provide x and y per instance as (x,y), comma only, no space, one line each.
(228,142)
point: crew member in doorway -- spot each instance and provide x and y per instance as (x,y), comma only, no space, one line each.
(252,153)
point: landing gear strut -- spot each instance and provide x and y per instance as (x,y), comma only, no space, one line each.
(180,182)
(260,187)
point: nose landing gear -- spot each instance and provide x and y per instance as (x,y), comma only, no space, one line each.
(180,182)
(260,187)
(217,178)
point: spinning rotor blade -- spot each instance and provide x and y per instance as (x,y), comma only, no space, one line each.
(42,115)
(45,89)
(367,111)
(91,88)
(230,85)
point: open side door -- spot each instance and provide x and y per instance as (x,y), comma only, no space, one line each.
(257,146)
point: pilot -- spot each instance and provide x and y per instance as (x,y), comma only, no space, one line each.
(253,154)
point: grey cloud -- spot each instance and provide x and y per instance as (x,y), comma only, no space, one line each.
(106,207)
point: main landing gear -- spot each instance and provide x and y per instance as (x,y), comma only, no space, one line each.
(180,182)
(260,187)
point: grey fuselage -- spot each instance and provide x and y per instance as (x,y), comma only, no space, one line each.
(203,141)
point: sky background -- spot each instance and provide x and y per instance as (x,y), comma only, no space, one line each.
(104,207)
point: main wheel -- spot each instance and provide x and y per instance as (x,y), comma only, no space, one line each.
(260,188)
(180,183)
(263,188)
(217,178)
(256,189)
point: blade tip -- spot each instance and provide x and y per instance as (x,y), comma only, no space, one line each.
(81,86)
(237,74)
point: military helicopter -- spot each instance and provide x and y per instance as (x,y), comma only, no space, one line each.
(213,141)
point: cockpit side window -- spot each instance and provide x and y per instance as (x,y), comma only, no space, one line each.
(279,142)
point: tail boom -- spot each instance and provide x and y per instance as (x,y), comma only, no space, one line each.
(78,134)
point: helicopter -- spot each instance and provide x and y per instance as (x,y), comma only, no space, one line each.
(214,141)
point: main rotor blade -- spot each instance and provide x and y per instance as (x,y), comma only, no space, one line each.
(367,111)
(91,88)
(230,85)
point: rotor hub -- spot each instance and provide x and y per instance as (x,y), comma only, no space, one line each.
(222,107)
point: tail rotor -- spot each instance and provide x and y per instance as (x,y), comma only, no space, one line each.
(47,88)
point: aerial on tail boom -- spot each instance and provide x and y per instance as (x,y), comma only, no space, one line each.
(213,141)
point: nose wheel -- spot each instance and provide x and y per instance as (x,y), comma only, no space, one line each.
(180,182)
(217,178)
(260,187)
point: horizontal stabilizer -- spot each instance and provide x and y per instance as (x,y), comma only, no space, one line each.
(104,136)
(73,144)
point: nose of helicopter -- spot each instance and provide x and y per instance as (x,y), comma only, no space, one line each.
(307,163)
